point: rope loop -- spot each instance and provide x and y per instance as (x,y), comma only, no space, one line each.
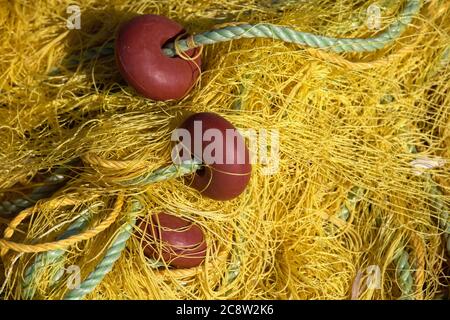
(64,243)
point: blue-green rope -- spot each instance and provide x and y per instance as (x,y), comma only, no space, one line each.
(166,173)
(112,255)
(74,60)
(106,50)
(58,178)
(49,186)
(114,251)
(270,31)
(439,206)
(353,197)
(286,34)
(52,257)
(404,275)
(403,267)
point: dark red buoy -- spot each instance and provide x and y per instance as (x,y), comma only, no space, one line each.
(227,169)
(179,242)
(143,64)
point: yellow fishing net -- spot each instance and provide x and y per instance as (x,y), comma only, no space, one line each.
(349,211)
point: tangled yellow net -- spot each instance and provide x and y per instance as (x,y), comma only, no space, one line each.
(357,207)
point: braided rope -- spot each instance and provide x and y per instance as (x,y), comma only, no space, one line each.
(115,249)
(105,266)
(73,60)
(341,61)
(64,243)
(9,231)
(285,34)
(52,257)
(233,31)
(50,185)
(439,205)
(353,197)
(166,173)
(172,171)
(404,274)
(403,268)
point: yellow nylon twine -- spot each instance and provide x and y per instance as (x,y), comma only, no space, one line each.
(378,123)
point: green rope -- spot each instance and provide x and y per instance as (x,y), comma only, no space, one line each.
(235,266)
(114,251)
(404,274)
(59,178)
(50,185)
(353,197)
(270,31)
(286,34)
(169,172)
(439,205)
(112,255)
(403,268)
(74,60)
(52,257)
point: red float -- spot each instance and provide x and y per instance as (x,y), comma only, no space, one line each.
(179,242)
(141,61)
(227,172)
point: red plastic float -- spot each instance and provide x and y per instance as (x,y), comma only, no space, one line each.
(218,180)
(141,61)
(179,242)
